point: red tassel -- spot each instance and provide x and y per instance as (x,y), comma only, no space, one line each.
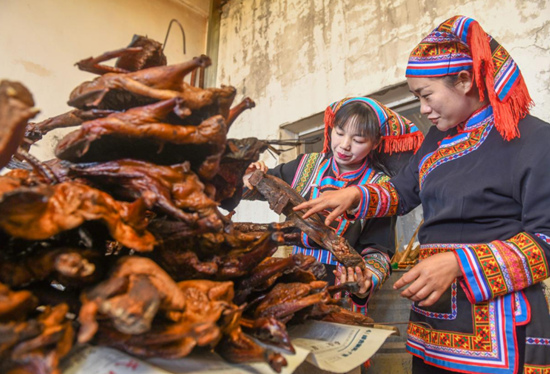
(516,105)
(329,124)
(401,143)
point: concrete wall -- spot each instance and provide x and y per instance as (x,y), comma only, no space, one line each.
(294,57)
(40,40)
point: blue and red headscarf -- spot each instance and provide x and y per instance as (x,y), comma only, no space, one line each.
(459,44)
(398,134)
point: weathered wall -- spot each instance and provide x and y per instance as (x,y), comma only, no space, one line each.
(40,40)
(294,57)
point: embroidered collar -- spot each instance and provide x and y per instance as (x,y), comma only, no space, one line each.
(348,175)
(454,147)
(477,119)
(481,118)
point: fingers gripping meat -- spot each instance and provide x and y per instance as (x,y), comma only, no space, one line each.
(282,198)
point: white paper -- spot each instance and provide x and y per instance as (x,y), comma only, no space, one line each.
(335,347)
(104,360)
(329,346)
(212,363)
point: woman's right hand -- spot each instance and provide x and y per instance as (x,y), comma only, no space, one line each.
(258,165)
(339,201)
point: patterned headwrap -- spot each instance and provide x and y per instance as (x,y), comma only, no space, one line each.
(461,44)
(398,134)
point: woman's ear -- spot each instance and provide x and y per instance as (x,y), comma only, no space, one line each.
(465,81)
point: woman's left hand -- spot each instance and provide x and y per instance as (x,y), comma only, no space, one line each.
(362,277)
(430,278)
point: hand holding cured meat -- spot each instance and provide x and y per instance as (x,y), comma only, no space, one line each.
(258,165)
(338,202)
(362,276)
(284,199)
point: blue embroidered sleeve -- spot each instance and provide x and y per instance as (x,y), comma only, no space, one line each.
(501,267)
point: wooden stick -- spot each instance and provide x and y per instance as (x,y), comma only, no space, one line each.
(411,242)
(396,255)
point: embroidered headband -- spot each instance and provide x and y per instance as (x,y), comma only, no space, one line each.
(398,134)
(459,44)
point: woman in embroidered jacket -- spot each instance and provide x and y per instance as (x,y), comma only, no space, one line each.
(482,176)
(360,135)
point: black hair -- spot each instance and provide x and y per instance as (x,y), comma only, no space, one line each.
(362,119)
(450,80)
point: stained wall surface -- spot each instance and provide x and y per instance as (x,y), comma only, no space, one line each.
(294,57)
(40,40)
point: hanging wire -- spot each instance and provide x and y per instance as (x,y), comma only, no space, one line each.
(168,33)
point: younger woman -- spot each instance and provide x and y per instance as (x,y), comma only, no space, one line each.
(482,176)
(360,134)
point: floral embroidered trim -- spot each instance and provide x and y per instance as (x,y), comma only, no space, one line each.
(536,369)
(379,264)
(377,200)
(537,341)
(451,150)
(488,348)
(543,237)
(500,267)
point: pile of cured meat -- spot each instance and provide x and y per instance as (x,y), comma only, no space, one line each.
(119,241)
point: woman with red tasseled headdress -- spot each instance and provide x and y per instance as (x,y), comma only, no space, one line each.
(482,176)
(363,140)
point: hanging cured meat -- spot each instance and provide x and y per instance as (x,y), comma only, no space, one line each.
(16,108)
(122,229)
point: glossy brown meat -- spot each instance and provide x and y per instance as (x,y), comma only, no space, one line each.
(15,305)
(71,118)
(164,340)
(179,192)
(43,352)
(262,276)
(141,53)
(186,264)
(269,331)
(121,91)
(140,134)
(238,154)
(16,108)
(240,262)
(237,347)
(198,323)
(295,268)
(40,212)
(285,299)
(15,332)
(15,179)
(337,314)
(208,102)
(151,55)
(131,297)
(69,266)
(251,231)
(205,302)
(237,110)
(221,262)
(282,198)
